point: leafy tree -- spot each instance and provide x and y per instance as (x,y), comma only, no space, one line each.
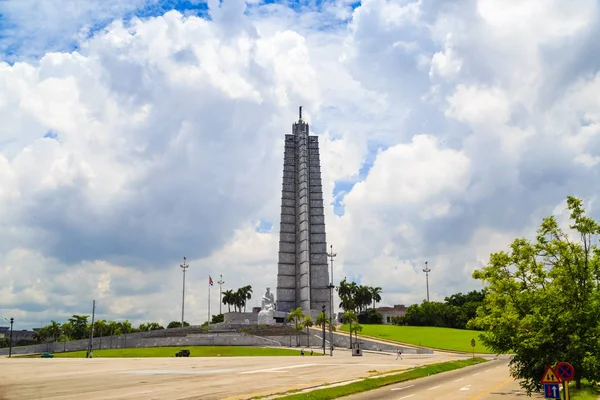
(217,319)
(79,326)
(370,316)
(177,324)
(543,300)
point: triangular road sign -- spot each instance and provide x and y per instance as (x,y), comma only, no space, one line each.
(550,376)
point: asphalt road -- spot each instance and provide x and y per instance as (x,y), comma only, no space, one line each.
(487,381)
(203,378)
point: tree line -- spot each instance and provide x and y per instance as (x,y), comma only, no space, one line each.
(358,298)
(454,312)
(77,327)
(238,298)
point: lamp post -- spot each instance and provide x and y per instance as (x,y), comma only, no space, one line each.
(12,320)
(331,256)
(183,266)
(221,282)
(323,311)
(427,271)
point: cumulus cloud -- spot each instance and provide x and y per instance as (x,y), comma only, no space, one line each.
(450,129)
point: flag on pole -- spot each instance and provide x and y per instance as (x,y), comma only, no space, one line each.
(210,281)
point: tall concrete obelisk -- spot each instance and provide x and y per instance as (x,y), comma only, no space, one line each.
(302,276)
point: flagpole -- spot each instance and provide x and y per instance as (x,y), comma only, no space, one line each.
(209,301)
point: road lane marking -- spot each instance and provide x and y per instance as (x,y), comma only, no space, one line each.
(490,389)
(278,369)
(477,374)
(465,387)
(487,370)
(402,388)
(435,387)
(406,397)
(458,380)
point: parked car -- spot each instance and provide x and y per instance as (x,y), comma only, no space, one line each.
(47,355)
(182,353)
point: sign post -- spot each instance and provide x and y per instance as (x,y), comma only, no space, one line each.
(551,382)
(566,373)
(473,346)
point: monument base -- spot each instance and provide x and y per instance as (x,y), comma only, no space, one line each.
(266,317)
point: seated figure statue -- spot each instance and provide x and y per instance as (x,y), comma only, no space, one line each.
(268,301)
(265,316)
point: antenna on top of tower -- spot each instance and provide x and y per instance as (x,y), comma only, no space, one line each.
(300,113)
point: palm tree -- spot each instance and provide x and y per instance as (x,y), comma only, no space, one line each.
(363,297)
(41,334)
(244,293)
(375,295)
(228,299)
(307,323)
(296,316)
(349,318)
(54,330)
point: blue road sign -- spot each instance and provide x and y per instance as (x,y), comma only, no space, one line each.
(565,371)
(551,391)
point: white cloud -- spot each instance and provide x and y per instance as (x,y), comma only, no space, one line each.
(460,127)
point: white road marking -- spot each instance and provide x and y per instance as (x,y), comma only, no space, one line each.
(406,397)
(173,371)
(487,370)
(278,369)
(435,387)
(477,374)
(458,380)
(402,388)
(465,388)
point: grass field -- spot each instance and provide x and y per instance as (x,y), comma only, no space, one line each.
(375,383)
(195,351)
(588,391)
(437,338)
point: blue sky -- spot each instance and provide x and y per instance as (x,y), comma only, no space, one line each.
(445,131)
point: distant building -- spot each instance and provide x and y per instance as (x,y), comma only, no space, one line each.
(16,335)
(399,310)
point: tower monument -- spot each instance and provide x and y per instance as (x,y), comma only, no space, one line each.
(302,276)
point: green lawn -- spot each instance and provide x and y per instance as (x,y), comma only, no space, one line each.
(437,338)
(195,351)
(377,382)
(588,391)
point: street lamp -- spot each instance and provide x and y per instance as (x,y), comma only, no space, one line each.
(183,266)
(331,256)
(323,311)
(221,282)
(427,271)
(12,320)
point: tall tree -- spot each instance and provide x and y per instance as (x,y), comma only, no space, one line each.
(350,317)
(228,299)
(79,325)
(543,300)
(375,295)
(296,315)
(307,323)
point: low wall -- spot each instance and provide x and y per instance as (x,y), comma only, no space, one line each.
(191,336)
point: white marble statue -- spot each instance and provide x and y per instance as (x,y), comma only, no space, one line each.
(265,316)
(268,301)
